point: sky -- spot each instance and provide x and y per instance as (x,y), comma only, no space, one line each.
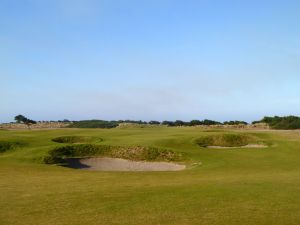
(149,59)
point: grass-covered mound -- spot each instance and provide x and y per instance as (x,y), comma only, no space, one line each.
(75,139)
(59,154)
(10,145)
(226,140)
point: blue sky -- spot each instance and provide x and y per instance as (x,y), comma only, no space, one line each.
(158,59)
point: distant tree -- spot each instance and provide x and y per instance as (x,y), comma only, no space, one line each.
(195,122)
(256,121)
(154,122)
(23,119)
(20,119)
(168,123)
(94,124)
(285,122)
(179,123)
(28,121)
(236,122)
(210,122)
(135,121)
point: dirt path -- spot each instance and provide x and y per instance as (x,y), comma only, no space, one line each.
(115,164)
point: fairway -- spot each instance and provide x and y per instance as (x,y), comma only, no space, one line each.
(241,186)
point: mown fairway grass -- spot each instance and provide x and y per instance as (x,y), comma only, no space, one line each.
(231,186)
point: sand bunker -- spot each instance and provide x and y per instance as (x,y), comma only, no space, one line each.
(245,146)
(116,164)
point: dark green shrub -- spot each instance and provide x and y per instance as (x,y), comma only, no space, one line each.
(235,122)
(154,122)
(210,122)
(94,124)
(284,123)
(75,139)
(10,145)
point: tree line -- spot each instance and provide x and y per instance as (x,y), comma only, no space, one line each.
(284,122)
(115,123)
(276,122)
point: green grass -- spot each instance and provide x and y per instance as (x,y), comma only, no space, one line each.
(10,145)
(232,186)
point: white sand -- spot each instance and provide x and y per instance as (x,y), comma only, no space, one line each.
(245,146)
(115,164)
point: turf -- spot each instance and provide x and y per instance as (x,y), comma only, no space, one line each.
(221,186)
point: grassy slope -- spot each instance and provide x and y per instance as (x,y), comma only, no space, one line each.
(249,186)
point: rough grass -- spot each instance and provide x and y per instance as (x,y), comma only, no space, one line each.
(75,139)
(10,145)
(225,140)
(58,154)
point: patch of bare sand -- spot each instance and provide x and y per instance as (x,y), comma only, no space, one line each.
(116,164)
(245,146)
